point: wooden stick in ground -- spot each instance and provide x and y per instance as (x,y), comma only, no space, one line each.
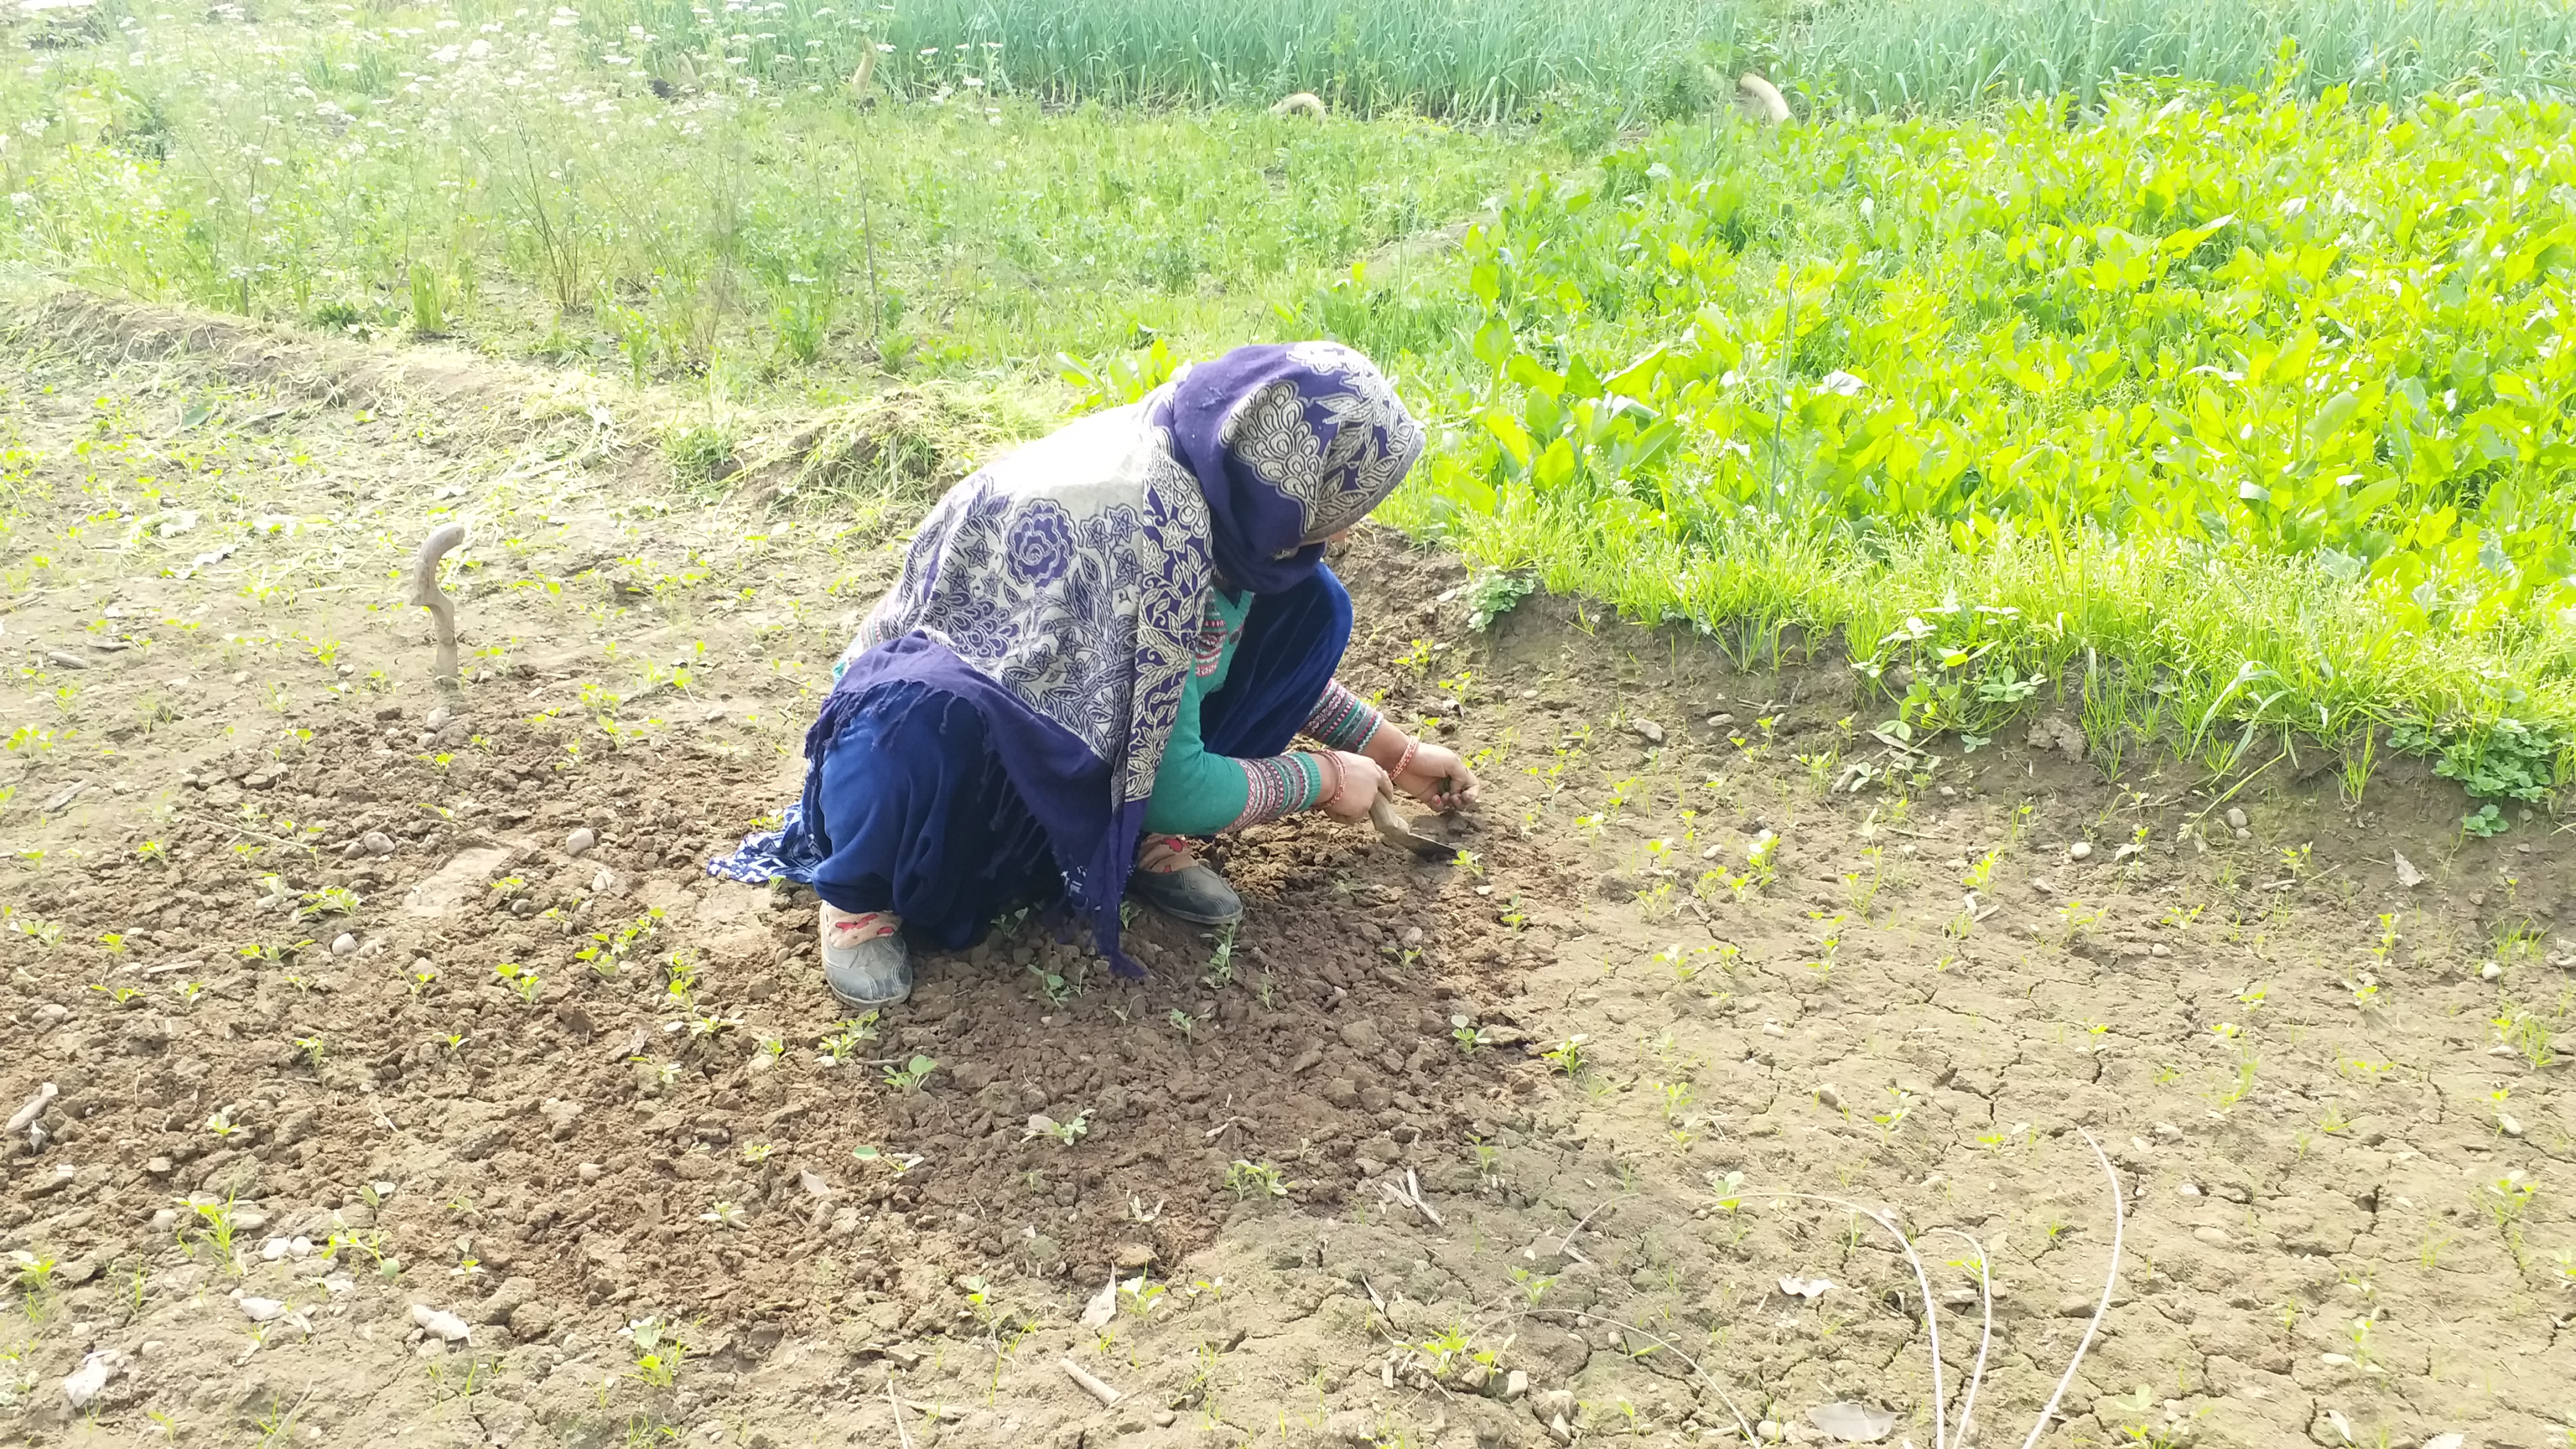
(1107,1396)
(426,594)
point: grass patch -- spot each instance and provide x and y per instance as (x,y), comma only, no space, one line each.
(541,187)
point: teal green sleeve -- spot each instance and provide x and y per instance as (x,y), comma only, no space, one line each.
(1195,793)
(1198,793)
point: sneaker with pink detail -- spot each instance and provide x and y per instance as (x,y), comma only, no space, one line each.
(865,963)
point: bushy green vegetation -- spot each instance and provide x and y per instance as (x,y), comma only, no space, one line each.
(2267,400)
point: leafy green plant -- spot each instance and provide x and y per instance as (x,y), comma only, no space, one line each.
(912,1075)
(2506,759)
(1566,1056)
(1492,593)
(1254,1179)
(659,1353)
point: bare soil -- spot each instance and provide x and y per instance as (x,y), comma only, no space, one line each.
(597,1106)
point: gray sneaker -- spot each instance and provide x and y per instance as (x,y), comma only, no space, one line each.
(867,974)
(1193,893)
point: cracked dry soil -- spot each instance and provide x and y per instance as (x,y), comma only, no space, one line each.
(2321,1133)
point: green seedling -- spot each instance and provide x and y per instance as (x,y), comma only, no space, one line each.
(912,1075)
(1254,1179)
(1566,1056)
(842,1045)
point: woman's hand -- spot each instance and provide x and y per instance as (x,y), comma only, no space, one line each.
(1438,778)
(1350,783)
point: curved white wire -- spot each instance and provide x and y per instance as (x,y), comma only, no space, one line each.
(1985,1334)
(1922,1283)
(2110,1281)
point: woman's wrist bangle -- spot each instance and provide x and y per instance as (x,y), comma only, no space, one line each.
(1405,762)
(1333,782)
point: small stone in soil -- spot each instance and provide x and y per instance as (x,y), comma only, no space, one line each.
(344,944)
(589,1171)
(1829,1097)
(579,843)
(377,842)
(2235,818)
(2079,850)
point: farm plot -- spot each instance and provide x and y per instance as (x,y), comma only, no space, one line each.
(411,1080)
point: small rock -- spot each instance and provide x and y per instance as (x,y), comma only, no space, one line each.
(344,944)
(2080,850)
(440,1324)
(1720,721)
(2235,818)
(2160,949)
(377,842)
(1769,1429)
(1341,1093)
(1362,1035)
(1165,1418)
(439,717)
(1647,730)
(2244,834)
(1306,1060)
(2508,1124)
(1133,1257)
(2490,972)
(1829,1097)
(63,660)
(561,1117)
(1515,1384)
(506,1300)
(589,1171)
(579,843)
(2216,1237)
(87,1382)
(261,1310)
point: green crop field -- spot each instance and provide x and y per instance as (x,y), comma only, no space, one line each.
(2205,365)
